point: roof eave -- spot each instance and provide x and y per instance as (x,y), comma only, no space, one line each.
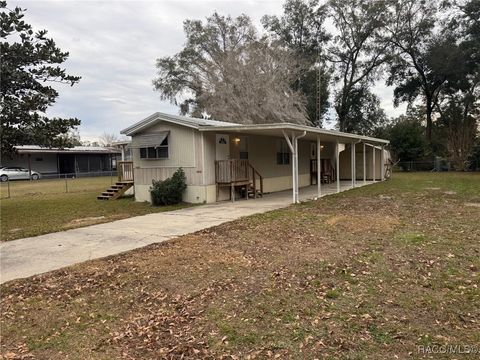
(152,119)
(290,126)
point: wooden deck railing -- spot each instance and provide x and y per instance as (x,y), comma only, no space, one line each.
(125,171)
(238,172)
(227,171)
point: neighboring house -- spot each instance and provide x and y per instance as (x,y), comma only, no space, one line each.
(75,161)
(221,159)
(125,150)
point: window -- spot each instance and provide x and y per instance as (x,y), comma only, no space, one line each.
(155,152)
(283,153)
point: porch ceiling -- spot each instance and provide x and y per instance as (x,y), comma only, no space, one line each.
(277,130)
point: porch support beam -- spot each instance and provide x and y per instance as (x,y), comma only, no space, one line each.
(374,170)
(291,145)
(292,151)
(352,163)
(296,166)
(319,175)
(382,164)
(337,165)
(364,165)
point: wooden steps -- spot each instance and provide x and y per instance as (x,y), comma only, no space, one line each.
(251,193)
(115,191)
(238,174)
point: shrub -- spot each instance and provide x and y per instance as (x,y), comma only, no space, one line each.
(169,191)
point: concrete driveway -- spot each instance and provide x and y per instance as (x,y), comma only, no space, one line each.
(35,255)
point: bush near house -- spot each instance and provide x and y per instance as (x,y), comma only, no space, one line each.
(169,191)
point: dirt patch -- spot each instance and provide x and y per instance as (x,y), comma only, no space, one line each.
(85,221)
(362,223)
(472,204)
(431,188)
(14,230)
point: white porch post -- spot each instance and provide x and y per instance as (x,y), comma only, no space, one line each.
(123,152)
(297,181)
(373,167)
(337,165)
(352,163)
(319,175)
(382,164)
(292,151)
(364,165)
(295,173)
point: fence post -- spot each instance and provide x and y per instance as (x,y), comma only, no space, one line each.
(66,184)
(8,188)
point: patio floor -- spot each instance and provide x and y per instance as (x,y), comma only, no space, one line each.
(310,192)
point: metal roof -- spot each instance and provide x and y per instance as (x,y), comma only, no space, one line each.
(275,129)
(25,149)
(311,132)
(176,119)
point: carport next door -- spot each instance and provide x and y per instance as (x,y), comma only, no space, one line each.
(222,149)
(66,163)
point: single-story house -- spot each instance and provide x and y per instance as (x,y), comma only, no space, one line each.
(225,160)
(74,161)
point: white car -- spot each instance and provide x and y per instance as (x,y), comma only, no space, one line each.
(17,173)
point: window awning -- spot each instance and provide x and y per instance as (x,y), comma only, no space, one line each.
(149,140)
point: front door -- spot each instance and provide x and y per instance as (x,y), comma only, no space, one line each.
(222,149)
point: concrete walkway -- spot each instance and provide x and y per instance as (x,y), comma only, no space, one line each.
(35,255)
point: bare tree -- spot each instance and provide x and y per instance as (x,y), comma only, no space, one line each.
(226,71)
(257,87)
(107,139)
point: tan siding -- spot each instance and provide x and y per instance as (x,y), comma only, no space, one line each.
(181,147)
(262,154)
(185,151)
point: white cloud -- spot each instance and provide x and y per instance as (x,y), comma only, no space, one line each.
(113,46)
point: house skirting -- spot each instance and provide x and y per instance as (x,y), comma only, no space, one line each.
(194,194)
(198,194)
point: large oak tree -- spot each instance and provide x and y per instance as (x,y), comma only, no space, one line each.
(302,29)
(358,51)
(30,63)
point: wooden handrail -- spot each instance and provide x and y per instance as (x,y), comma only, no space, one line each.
(125,171)
(227,171)
(233,171)
(255,172)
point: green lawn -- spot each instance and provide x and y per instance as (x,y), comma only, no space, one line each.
(40,207)
(379,272)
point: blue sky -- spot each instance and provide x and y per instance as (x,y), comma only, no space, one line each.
(113,46)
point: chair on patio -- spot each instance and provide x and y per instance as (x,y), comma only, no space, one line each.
(327,172)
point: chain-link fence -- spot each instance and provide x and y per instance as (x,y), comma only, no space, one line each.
(58,183)
(434,165)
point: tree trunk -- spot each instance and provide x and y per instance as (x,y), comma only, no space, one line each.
(429,122)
